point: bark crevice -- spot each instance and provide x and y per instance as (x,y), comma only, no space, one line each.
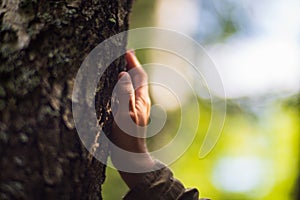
(42,45)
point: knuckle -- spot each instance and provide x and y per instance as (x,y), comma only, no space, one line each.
(143,74)
(143,102)
(140,72)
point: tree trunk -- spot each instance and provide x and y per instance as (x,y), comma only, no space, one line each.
(43,43)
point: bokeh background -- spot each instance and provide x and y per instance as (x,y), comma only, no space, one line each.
(255,45)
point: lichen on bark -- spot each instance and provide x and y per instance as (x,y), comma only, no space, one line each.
(42,45)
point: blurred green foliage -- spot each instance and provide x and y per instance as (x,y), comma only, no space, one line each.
(272,139)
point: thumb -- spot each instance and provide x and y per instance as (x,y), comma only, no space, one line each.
(125,93)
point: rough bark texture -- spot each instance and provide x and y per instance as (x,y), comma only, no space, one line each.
(43,43)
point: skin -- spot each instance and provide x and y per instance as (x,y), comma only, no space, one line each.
(137,105)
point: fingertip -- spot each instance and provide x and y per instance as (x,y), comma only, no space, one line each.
(132,60)
(121,74)
(131,51)
(124,78)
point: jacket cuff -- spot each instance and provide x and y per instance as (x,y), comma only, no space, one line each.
(157,184)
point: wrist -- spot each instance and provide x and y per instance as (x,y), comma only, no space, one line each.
(131,178)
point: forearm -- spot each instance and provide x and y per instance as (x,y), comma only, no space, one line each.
(130,178)
(141,161)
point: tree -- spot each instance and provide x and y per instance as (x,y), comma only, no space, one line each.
(43,44)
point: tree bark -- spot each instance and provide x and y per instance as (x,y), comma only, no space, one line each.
(43,43)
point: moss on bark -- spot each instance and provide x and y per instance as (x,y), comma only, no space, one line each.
(42,45)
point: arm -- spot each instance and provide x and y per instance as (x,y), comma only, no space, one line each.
(134,103)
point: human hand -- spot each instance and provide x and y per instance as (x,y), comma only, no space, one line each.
(130,120)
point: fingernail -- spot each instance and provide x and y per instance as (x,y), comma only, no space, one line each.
(132,51)
(120,75)
(123,75)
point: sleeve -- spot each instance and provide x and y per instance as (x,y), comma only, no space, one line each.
(161,185)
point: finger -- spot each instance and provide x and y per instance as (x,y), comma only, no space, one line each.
(138,75)
(125,93)
(132,60)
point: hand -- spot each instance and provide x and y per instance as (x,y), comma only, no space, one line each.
(130,120)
